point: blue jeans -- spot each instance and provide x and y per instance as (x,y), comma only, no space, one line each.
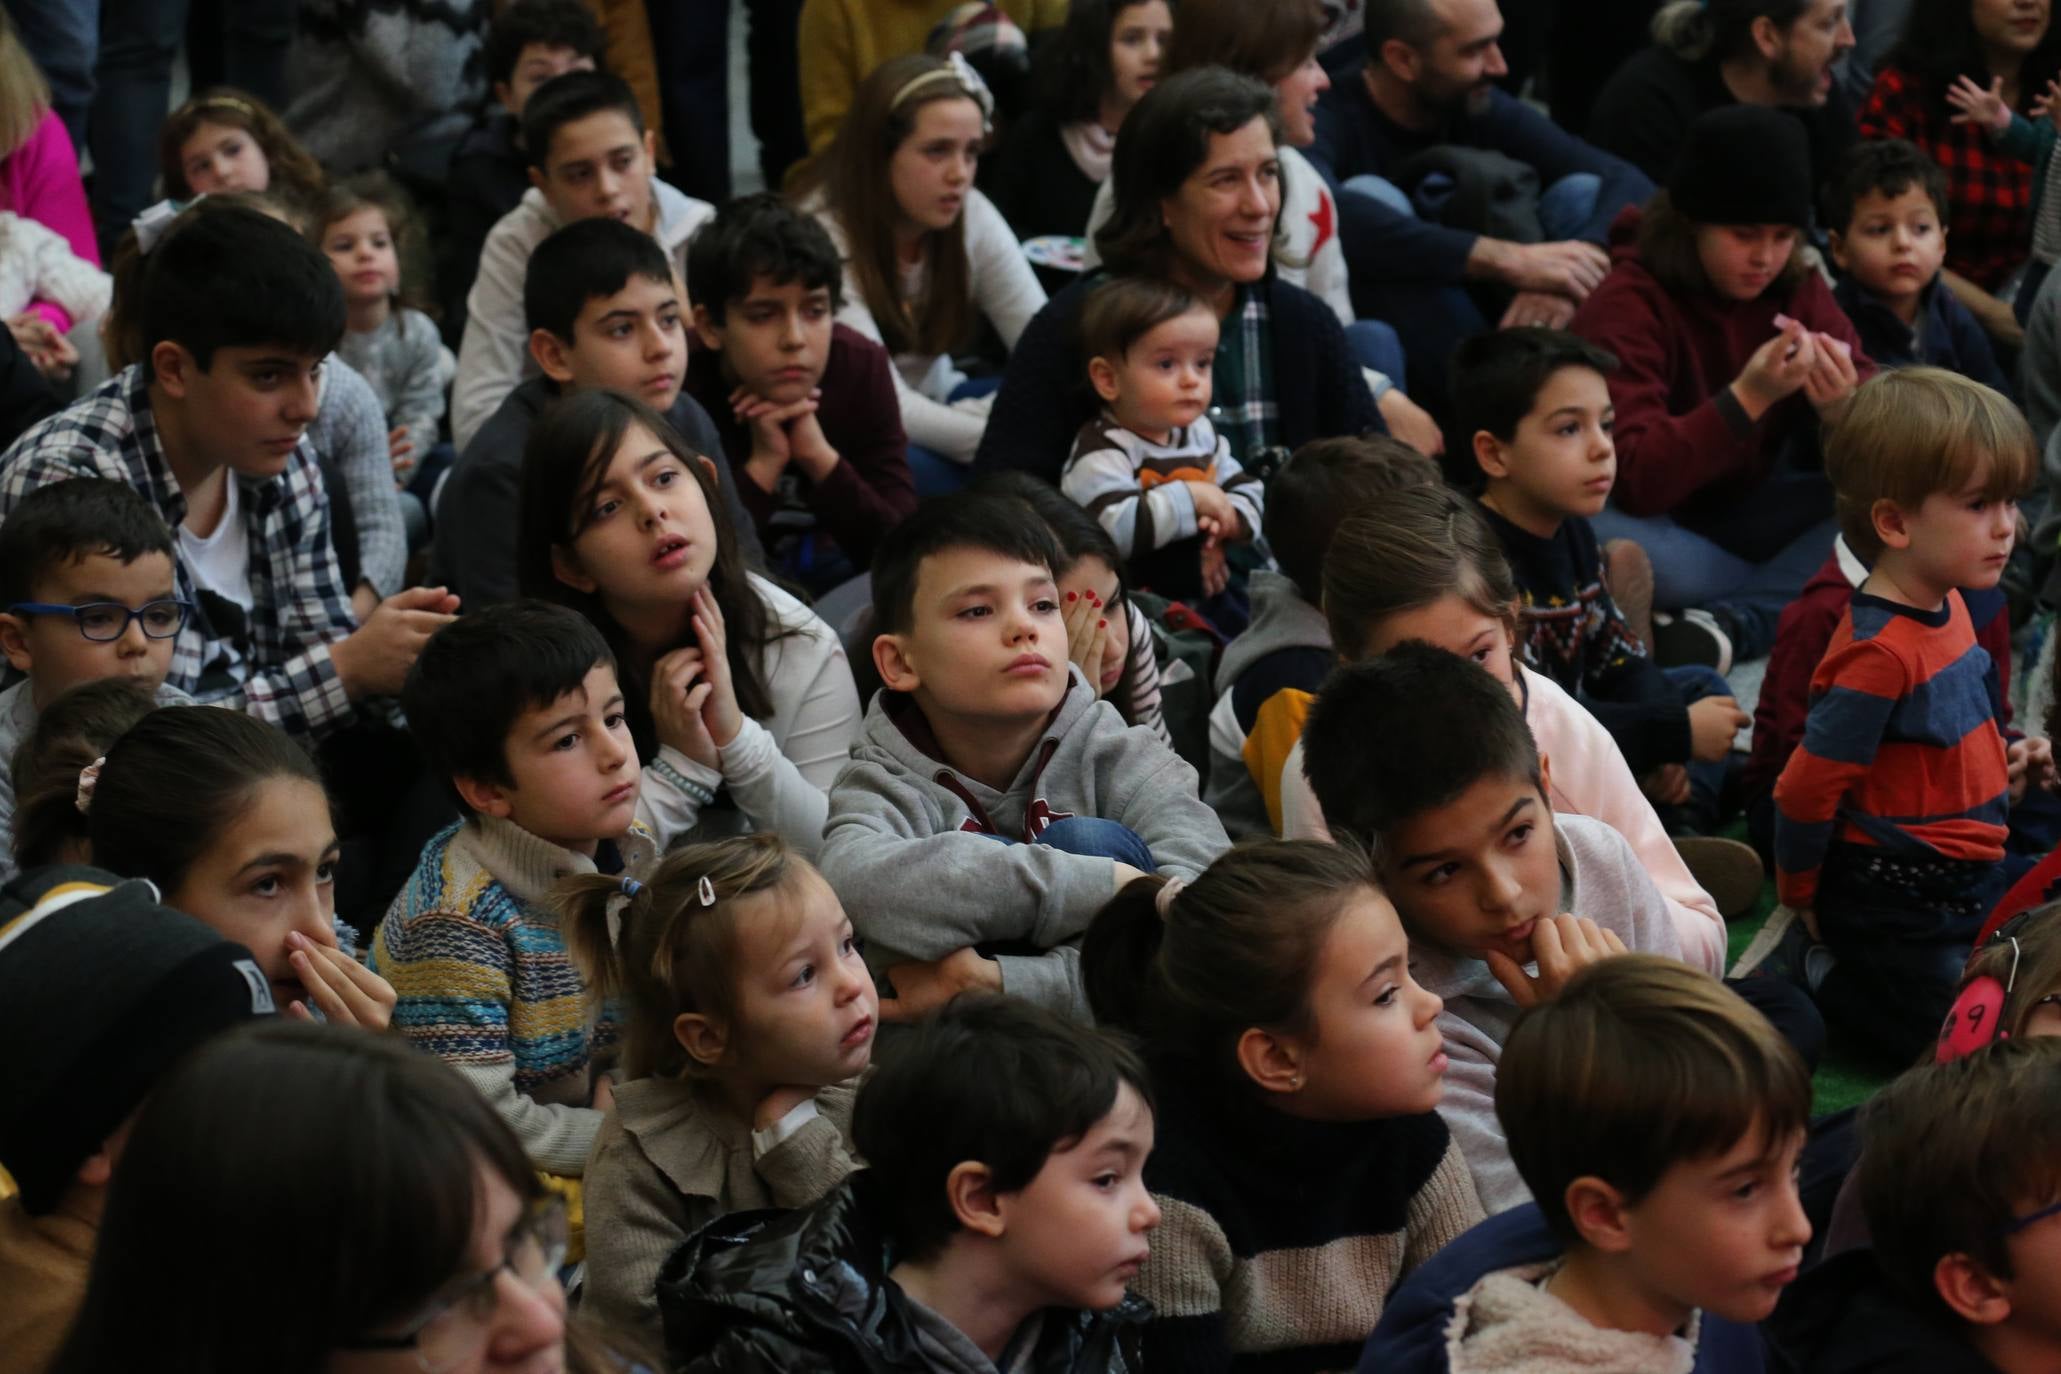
(1564,207)
(1375,344)
(935,474)
(140,40)
(1091,837)
(64,38)
(1706,780)
(1690,570)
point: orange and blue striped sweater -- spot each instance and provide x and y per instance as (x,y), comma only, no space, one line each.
(1901,747)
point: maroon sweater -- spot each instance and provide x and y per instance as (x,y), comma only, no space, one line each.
(870,490)
(1683,442)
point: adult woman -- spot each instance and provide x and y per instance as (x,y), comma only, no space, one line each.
(1732,354)
(1056,155)
(925,253)
(1197,191)
(39,180)
(414,1233)
(1989,192)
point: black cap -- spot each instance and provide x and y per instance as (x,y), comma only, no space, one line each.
(101,989)
(1744,164)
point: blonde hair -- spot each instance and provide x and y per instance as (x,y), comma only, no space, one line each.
(24,94)
(676,951)
(1912,432)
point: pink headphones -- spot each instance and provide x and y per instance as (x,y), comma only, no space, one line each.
(1977,1017)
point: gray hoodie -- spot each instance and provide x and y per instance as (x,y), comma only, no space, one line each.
(1600,878)
(911,850)
(1281,620)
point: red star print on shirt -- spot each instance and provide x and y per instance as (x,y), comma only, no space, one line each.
(1322,218)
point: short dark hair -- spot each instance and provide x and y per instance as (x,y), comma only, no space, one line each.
(1445,725)
(572,96)
(1951,1154)
(1164,139)
(66,521)
(1324,482)
(1640,1064)
(1414,22)
(235,278)
(1885,167)
(478,674)
(546,23)
(1000,525)
(1120,311)
(586,259)
(1497,377)
(760,236)
(994,1080)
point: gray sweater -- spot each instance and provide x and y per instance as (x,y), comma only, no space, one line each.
(1600,878)
(910,847)
(350,431)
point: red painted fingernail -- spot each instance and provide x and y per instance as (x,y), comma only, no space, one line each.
(1101,624)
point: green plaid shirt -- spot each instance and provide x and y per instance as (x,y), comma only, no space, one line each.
(1243,410)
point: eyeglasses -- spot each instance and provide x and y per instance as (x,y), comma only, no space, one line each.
(2017,1224)
(103,622)
(453,1329)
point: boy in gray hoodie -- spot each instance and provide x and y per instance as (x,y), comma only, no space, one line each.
(992,805)
(1424,757)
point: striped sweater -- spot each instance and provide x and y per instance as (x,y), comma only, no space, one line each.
(1901,748)
(1136,488)
(1280,1238)
(486,984)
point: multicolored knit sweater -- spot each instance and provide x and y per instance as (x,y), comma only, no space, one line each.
(486,984)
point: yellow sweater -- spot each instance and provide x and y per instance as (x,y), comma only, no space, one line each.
(843,40)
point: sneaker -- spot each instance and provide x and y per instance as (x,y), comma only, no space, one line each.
(1778,951)
(1691,637)
(1818,961)
(1727,869)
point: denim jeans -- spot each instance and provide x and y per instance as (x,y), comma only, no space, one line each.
(1375,344)
(1706,780)
(1564,207)
(140,38)
(1690,570)
(1091,837)
(935,474)
(64,38)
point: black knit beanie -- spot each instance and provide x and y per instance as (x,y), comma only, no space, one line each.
(101,989)
(1744,164)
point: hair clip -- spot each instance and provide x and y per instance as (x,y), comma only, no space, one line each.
(630,886)
(1168,890)
(706,891)
(89,778)
(150,225)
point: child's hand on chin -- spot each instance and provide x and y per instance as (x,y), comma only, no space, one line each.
(1562,946)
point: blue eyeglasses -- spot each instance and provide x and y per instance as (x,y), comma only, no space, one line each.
(103,622)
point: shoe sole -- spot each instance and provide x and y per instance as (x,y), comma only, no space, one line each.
(1728,870)
(1767,942)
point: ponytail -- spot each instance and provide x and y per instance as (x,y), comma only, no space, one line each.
(1120,954)
(79,727)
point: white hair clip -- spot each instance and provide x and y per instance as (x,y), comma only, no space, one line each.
(151,224)
(707,891)
(89,778)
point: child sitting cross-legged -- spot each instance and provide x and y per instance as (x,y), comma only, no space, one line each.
(748,1014)
(1890,816)
(1151,467)
(1657,1120)
(992,805)
(518,709)
(1274,999)
(1002,1218)
(1451,794)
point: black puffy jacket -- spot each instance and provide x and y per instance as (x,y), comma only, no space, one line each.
(777,1292)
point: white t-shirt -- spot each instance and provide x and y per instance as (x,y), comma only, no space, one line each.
(220,563)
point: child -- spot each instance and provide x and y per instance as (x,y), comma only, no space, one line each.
(89,590)
(227,140)
(1114,651)
(228,819)
(1268,674)
(517,708)
(1151,467)
(1002,1218)
(590,158)
(1275,1002)
(85,964)
(2032,142)
(1890,818)
(235,314)
(734,688)
(77,729)
(984,732)
(749,1014)
(1886,206)
(1480,869)
(369,234)
(808,407)
(527,44)
(1423,565)
(38,268)
(1658,1120)
(1534,407)
(1960,1271)
(604,311)
(2011,987)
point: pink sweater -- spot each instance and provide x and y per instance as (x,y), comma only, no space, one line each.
(40,181)
(1586,776)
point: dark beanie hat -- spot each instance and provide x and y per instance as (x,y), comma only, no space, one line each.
(1744,164)
(101,989)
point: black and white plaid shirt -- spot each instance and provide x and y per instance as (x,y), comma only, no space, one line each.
(283,672)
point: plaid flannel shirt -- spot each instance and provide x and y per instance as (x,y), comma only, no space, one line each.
(299,606)
(1244,410)
(1989,192)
